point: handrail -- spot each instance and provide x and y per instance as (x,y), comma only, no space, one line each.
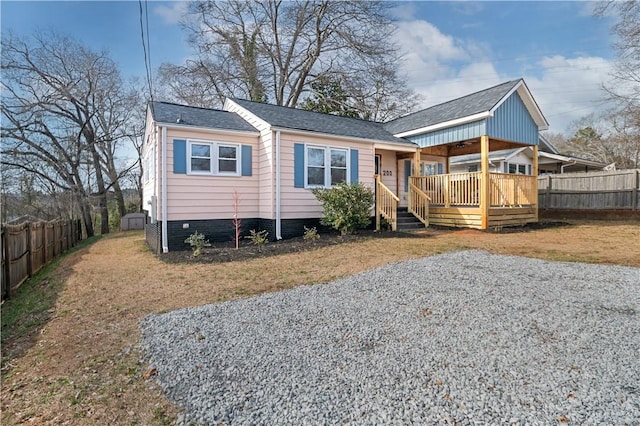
(419,204)
(386,204)
(463,189)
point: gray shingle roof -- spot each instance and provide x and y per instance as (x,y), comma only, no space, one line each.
(165,112)
(299,119)
(465,106)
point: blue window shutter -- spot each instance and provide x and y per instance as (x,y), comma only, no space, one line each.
(298,165)
(440,169)
(407,173)
(179,156)
(246,160)
(354,166)
(506,167)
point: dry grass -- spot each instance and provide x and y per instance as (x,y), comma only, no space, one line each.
(82,366)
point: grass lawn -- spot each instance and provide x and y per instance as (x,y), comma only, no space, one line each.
(70,356)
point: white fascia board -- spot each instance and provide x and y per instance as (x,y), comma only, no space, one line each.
(395,147)
(529,103)
(339,137)
(513,154)
(174,126)
(564,158)
(231,106)
(445,124)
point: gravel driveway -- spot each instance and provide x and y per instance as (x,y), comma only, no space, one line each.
(466,337)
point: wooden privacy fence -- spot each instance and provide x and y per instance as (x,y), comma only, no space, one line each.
(606,190)
(29,246)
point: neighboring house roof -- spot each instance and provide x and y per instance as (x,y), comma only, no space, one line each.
(468,108)
(505,155)
(570,160)
(502,155)
(546,146)
(299,119)
(183,115)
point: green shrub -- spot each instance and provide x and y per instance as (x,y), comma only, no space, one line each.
(197,243)
(258,238)
(347,207)
(310,234)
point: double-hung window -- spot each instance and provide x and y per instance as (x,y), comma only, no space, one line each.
(213,158)
(326,166)
(520,169)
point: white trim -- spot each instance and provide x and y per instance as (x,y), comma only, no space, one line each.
(517,152)
(278,190)
(445,124)
(559,157)
(214,158)
(529,103)
(327,164)
(229,105)
(165,237)
(339,137)
(395,147)
(210,129)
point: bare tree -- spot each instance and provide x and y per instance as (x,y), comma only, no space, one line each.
(274,50)
(624,87)
(63,111)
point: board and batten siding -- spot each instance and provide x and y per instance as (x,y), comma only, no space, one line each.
(460,132)
(300,203)
(198,197)
(512,122)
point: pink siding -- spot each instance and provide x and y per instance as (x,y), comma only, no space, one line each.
(299,203)
(265,161)
(389,164)
(194,197)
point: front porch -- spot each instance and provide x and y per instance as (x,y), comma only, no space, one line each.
(482,199)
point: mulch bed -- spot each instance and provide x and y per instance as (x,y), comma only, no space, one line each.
(226,252)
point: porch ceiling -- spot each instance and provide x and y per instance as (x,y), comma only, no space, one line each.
(469,146)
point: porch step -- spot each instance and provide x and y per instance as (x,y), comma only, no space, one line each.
(407,221)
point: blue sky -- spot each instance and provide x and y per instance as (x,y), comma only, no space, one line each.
(451,48)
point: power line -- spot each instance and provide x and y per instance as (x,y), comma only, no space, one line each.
(145,46)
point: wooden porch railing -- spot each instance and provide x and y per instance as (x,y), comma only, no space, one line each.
(386,205)
(458,189)
(463,189)
(419,204)
(509,190)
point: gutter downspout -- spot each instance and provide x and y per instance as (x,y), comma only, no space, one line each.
(165,243)
(567,165)
(278,212)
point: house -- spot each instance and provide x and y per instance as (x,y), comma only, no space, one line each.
(520,161)
(197,160)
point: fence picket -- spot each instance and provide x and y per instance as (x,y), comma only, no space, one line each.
(28,247)
(606,190)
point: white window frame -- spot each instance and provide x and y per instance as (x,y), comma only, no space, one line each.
(214,164)
(527,170)
(327,164)
(425,163)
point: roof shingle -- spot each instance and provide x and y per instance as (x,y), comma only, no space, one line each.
(299,119)
(165,112)
(465,106)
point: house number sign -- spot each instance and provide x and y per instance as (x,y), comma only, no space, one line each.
(387,173)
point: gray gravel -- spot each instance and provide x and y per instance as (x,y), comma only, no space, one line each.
(466,337)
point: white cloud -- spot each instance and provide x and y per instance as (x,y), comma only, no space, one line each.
(172,14)
(569,88)
(440,68)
